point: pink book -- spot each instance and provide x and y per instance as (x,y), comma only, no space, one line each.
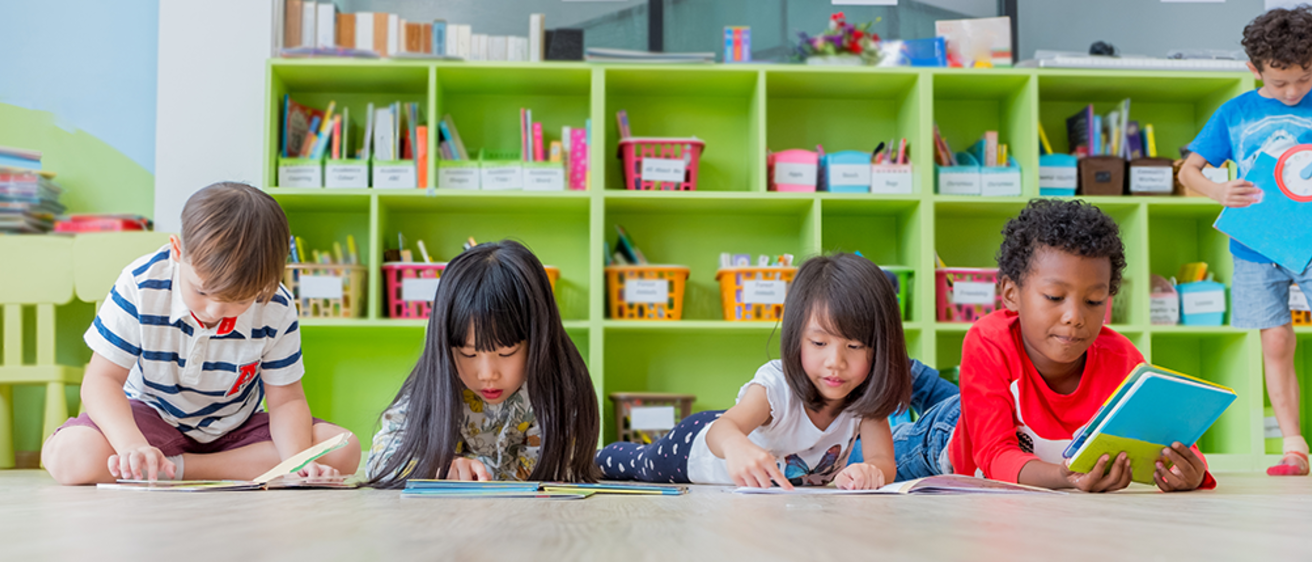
(537,143)
(578,159)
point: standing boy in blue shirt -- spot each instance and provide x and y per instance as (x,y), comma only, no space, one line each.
(1270,119)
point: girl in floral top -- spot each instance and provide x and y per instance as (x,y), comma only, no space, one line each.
(500,392)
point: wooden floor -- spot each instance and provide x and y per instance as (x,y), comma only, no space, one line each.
(1249,517)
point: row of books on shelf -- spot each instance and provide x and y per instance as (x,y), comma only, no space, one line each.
(1114,134)
(30,201)
(313,28)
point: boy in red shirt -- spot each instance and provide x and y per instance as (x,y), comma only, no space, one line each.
(1034,373)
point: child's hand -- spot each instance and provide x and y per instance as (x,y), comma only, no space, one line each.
(754,467)
(1186,474)
(140,463)
(860,476)
(467,469)
(316,470)
(1239,193)
(1095,480)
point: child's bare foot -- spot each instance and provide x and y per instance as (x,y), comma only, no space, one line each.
(1294,463)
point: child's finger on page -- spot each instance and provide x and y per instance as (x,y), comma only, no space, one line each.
(480,471)
(778,476)
(152,466)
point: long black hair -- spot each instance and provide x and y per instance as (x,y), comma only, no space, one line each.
(501,291)
(852,298)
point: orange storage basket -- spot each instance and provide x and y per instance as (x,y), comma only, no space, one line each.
(754,293)
(344,302)
(645,307)
(397,273)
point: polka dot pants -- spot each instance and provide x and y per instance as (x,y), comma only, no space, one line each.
(666,460)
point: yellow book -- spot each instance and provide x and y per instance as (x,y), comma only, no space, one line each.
(1043,139)
(1152,141)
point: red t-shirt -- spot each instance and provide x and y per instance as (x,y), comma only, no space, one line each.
(1009,415)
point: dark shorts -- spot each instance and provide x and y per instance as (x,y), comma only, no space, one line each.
(172,442)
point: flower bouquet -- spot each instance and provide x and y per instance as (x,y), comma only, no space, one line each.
(842,43)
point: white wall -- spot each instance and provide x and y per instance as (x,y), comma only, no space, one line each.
(209,118)
(1139,27)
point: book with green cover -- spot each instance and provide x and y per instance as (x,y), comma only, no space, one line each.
(1152,408)
(281,476)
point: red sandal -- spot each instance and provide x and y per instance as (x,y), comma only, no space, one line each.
(1294,463)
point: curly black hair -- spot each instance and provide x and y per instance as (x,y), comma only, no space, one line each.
(1072,226)
(1280,38)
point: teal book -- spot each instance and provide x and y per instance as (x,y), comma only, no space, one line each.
(1276,226)
(1152,408)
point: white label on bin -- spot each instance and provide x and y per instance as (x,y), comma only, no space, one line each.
(999,184)
(1058,177)
(419,289)
(971,292)
(1202,302)
(662,169)
(544,179)
(958,183)
(395,177)
(1297,300)
(764,292)
(320,287)
(647,291)
(849,174)
(1151,179)
(346,175)
(300,176)
(890,180)
(457,178)
(651,417)
(503,178)
(1164,310)
(794,174)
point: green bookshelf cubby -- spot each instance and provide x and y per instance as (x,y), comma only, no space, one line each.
(356,365)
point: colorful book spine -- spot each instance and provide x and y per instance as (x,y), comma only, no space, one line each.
(578,160)
(421,164)
(439,37)
(538,155)
(337,137)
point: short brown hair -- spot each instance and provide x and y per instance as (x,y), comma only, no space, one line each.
(855,300)
(237,239)
(1280,38)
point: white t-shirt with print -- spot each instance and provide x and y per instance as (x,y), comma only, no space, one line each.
(805,453)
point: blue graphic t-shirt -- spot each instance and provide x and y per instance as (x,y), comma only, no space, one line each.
(1246,126)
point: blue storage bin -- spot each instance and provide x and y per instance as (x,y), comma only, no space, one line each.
(847,172)
(930,51)
(1059,175)
(1202,303)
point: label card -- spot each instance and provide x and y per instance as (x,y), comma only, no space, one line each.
(662,169)
(795,174)
(973,292)
(457,177)
(1059,177)
(345,175)
(849,174)
(1202,302)
(320,287)
(300,176)
(503,178)
(764,292)
(395,177)
(647,291)
(544,179)
(419,289)
(1151,179)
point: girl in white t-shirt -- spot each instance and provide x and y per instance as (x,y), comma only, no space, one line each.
(844,371)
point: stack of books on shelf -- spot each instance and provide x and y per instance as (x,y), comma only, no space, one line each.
(598,54)
(1113,134)
(312,28)
(29,198)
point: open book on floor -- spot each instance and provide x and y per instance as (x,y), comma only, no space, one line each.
(1152,408)
(281,476)
(942,484)
(416,488)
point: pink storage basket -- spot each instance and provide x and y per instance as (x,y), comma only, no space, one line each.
(634,150)
(963,294)
(397,274)
(799,167)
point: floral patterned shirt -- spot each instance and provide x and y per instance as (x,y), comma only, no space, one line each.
(504,437)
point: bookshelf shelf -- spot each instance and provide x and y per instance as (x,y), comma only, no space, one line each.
(741,111)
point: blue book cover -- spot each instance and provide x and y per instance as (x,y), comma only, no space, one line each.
(7,161)
(1153,408)
(439,37)
(1276,227)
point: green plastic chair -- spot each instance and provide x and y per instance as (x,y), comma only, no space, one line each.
(99,258)
(38,271)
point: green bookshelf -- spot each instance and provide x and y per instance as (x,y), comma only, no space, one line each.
(354,366)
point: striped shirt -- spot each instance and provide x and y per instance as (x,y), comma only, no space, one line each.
(203,381)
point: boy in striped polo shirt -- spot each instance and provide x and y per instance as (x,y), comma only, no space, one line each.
(189,342)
